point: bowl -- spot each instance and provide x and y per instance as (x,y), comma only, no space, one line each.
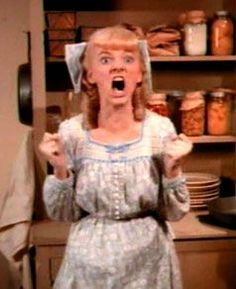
(223,210)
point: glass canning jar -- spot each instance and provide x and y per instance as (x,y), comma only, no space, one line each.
(193,113)
(53,118)
(174,100)
(222,34)
(218,113)
(157,103)
(195,33)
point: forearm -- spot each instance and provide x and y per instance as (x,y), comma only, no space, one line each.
(173,172)
(59,198)
(61,173)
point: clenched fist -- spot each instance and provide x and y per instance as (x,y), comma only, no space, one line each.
(53,151)
(177,147)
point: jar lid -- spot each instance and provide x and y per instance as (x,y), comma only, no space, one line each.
(157,97)
(218,93)
(192,99)
(194,95)
(222,13)
(222,91)
(176,93)
(53,109)
(195,16)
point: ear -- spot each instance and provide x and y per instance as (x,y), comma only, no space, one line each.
(90,77)
(140,77)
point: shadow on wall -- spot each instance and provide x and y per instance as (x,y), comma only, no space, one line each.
(5,275)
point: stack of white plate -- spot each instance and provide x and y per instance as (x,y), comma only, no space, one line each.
(202,187)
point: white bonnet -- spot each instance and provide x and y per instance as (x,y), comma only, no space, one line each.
(73,54)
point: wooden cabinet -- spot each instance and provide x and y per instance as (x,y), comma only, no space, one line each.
(207,253)
(207,263)
(49,239)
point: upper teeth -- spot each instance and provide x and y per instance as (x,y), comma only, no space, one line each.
(118,78)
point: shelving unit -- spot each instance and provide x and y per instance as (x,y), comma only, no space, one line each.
(169,72)
(50,81)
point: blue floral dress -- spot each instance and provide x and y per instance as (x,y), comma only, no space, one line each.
(119,204)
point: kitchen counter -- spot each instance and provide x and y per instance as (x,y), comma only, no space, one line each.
(206,251)
(199,225)
(195,225)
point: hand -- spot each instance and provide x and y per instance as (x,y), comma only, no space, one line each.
(53,150)
(176,149)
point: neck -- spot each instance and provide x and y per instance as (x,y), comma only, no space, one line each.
(116,119)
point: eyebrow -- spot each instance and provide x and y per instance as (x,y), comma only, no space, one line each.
(104,52)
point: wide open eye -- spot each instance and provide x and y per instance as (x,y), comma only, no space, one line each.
(118,84)
(128,59)
(105,60)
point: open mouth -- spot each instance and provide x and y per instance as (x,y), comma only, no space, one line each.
(118,83)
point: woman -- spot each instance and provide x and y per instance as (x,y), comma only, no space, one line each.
(117,175)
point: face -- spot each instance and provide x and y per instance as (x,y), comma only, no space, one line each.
(116,72)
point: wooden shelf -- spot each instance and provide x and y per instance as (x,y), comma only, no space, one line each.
(213,139)
(171,58)
(55,59)
(193,58)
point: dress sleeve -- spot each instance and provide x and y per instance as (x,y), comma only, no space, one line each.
(173,195)
(59,195)
(174,198)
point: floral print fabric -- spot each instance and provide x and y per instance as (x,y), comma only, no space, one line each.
(119,205)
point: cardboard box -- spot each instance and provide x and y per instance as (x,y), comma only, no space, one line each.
(56,48)
(61,34)
(60,20)
(55,40)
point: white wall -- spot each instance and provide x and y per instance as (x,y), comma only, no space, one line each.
(14,22)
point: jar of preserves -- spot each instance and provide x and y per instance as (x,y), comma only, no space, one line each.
(222,31)
(72,104)
(218,112)
(174,100)
(53,118)
(193,113)
(157,103)
(195,33)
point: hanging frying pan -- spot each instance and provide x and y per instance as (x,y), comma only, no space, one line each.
(24,91)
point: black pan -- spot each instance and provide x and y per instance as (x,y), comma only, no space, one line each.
(24,94)
(223,210)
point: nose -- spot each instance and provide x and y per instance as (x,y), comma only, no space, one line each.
(118,66)
(117,69)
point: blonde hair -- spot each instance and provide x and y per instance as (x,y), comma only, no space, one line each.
(114,37)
